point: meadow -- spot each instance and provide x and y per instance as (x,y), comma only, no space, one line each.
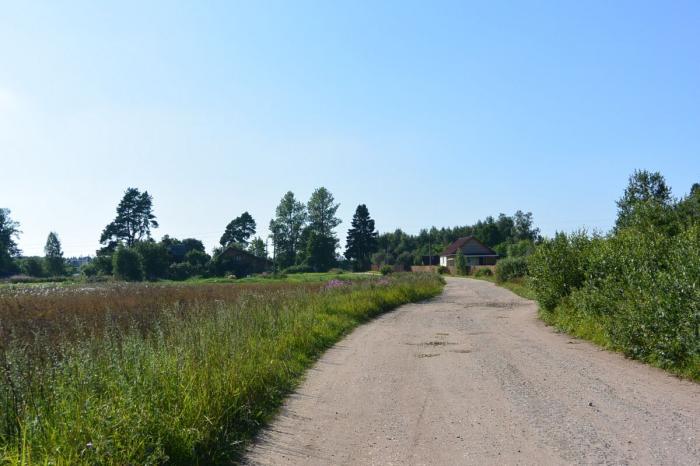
(167,373)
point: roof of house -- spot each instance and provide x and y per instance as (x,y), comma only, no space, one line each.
(236,251)
(470,246)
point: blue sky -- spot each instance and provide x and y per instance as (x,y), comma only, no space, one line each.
(431,113)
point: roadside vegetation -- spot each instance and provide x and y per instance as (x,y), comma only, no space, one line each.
(634,290)
(179,374)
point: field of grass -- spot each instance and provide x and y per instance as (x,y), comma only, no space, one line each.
(290,278)
(177,374)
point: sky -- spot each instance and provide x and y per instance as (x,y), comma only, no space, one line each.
(430,113)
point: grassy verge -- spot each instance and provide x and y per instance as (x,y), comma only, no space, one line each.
(566,318)
(518,286)
(192,388)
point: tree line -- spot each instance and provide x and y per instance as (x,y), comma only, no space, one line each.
(508,235)
(303,239)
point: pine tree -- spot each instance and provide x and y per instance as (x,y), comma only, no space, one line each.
(238,231)
(361,241)
(133,222)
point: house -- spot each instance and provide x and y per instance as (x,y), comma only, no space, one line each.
(240,262)
(475,252)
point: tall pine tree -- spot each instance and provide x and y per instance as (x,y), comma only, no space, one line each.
(361,241)
(238,231)
(133,222)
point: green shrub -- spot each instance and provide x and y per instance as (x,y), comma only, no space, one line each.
(522,248)
(386,270)
(154,259)
(126,264)
(442,270)
(558,267)
(180,271)
(461,263)
(510,268)
(197,261)
(483,273)
(33,266)
(638,287)
(301,268)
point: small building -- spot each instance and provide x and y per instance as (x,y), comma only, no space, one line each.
(475,252)
(241,262)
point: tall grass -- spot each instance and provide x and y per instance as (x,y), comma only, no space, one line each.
(190,388)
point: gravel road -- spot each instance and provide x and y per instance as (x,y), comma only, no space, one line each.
(473,377)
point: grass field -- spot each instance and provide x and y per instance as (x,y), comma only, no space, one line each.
(177,374)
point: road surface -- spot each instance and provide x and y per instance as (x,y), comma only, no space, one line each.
(473,377)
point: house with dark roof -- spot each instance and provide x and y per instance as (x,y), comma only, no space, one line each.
(240,262)
(475,252)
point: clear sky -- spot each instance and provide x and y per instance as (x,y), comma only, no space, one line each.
(431,113)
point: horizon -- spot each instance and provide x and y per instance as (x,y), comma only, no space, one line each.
(431,115)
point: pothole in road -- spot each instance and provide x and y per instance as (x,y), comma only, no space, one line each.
(490,304)
(438,343)
(427,355)
(461,351)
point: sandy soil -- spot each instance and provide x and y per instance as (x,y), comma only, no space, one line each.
(473,377)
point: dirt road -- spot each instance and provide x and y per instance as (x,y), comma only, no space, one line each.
(472,377)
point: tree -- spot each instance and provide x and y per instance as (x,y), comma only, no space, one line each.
(33,266)
(133,222)
(55,264)
(126,264)
(197,260)
(154,258)
(238,231)
(257,247)
(405,259)
(644,188)
(177,250)
(522,228)
(319,236)
(361,241)
(320,252)
(9,234)
(321,213)
(286,228)
(689,206)
(461,262)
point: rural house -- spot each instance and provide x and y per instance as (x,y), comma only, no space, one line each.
(475,252)
(242,263)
